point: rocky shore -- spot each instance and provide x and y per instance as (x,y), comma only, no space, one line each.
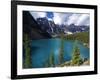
(68,63)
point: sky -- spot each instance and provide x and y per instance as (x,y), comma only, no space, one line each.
(64,18)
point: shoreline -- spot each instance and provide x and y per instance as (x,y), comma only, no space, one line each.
(68,63)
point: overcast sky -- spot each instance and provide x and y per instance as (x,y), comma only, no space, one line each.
(64,18)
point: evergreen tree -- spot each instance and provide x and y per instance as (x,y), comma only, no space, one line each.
(76,59)
(47,63)
(61,52)
(27,60)
(51,60)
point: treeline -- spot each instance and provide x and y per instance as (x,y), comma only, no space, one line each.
(83,37)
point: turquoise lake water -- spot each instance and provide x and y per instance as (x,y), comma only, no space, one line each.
(41,49)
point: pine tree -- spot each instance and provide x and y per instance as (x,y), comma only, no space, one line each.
(61,52)
(51,60)
(76,59)
(47,63)
(27,61)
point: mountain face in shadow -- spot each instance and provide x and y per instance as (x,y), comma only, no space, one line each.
(31,27)
(49,26)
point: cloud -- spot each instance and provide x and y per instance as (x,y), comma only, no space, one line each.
(73,18)
(87,21)
(38,14)
(78,19)
(83,19)
(57,19)
(65,18)
(61,18)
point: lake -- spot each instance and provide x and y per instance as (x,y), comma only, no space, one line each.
(41,50)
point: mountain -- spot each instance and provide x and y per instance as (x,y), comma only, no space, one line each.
(56,29)
(49,26)
(32,28)
(44,28)
(74,28)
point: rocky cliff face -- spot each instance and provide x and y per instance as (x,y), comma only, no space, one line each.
(31,27)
